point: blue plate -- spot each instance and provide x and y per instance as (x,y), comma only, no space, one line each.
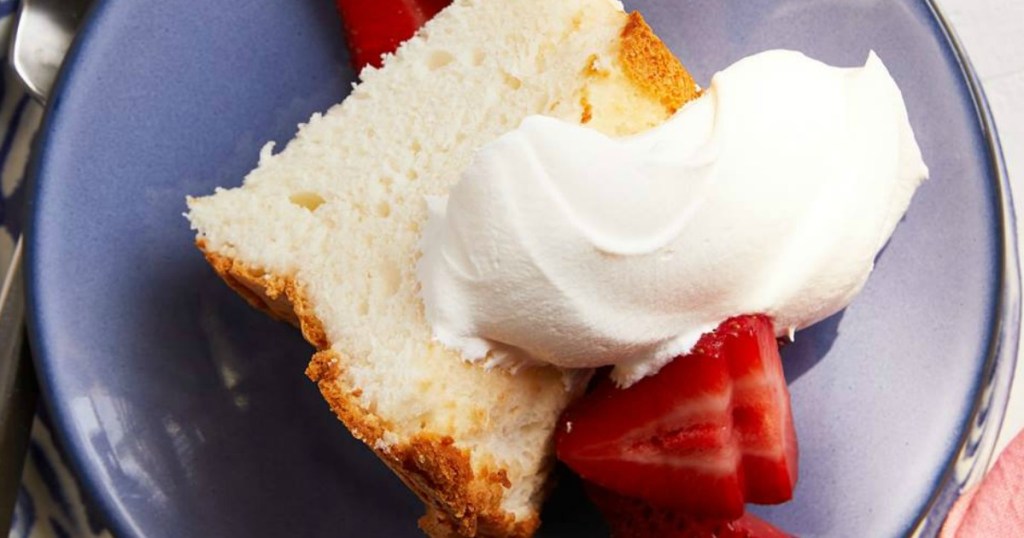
(187,414)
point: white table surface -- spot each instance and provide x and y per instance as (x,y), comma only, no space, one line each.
(992,32)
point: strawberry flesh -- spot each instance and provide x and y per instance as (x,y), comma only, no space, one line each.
(633,518)
(708,433)
(375,28)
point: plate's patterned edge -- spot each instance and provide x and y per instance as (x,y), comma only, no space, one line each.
(50,503)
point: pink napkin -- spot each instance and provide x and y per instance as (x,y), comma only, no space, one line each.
(996,506)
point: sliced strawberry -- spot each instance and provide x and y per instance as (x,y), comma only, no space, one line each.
(709,432)
(374,28)
(633,518)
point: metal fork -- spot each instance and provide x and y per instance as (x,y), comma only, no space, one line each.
(41,37)
(42,34)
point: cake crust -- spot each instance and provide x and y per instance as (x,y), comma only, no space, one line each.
(459,501)
(652,67)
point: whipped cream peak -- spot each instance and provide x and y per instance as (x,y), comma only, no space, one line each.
(772,193)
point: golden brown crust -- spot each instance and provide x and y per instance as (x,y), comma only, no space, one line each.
(459,502)
(652,67)
(588,109)
(279,297)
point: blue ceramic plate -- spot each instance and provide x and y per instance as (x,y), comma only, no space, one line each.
(187,414)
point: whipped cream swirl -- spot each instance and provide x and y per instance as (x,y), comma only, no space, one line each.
(772,193)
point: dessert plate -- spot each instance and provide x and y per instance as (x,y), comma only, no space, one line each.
(186,413)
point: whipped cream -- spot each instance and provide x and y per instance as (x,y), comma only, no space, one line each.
(772,193)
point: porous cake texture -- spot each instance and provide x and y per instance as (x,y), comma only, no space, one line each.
(325,234)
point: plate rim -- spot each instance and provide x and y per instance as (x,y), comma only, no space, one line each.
(975,449)
(968,460)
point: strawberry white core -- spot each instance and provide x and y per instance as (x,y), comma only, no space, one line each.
(772,193)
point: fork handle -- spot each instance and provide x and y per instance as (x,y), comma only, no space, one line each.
(17,387)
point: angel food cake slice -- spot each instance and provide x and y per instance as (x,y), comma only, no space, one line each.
(325,234)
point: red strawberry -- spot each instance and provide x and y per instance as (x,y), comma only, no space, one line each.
(709,432)
(374,28)
(632,518)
